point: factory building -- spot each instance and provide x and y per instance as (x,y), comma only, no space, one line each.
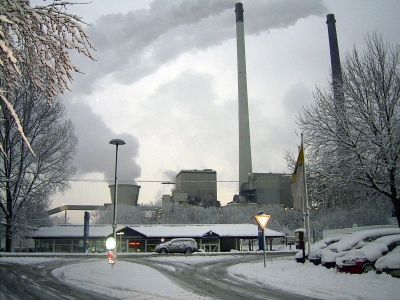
(266,188)
(194,187)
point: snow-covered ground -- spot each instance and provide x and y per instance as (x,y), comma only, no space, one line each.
(129,280)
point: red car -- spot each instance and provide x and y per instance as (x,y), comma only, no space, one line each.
(363,260)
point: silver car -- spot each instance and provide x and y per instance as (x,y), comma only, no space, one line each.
(180,245)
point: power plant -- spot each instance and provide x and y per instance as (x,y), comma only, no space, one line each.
(199,187)
(267,188)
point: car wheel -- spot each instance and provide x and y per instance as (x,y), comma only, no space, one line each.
(163,251)
(188,251)
(368,267)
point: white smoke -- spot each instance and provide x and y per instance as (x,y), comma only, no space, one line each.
(133,45)
(95,154)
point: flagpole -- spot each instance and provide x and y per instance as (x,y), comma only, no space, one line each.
(307,207)
(303,211)
(303,218)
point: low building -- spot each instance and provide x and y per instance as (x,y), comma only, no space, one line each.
(144,238)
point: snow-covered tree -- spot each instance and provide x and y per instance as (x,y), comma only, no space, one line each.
(39,38)
(27,181)
(354,148)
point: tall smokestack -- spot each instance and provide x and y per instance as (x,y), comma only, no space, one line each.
(245,168)
(335,58)
(337,80)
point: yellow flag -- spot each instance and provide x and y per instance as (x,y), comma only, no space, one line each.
(297,184)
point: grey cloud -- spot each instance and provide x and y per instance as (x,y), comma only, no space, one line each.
(133,45)
(295,98)
(95,154)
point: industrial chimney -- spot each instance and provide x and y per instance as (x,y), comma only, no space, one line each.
(245,166)
(337,81)
(335,59)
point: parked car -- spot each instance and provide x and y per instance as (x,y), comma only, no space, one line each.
(315,249)
(389,263)
(318,248)
(363,260)
(354,241)
(180,245)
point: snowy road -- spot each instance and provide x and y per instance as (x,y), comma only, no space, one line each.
(207,278)
(201,276)
(34,281)
(210,278)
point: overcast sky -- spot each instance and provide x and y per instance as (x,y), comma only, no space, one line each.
(165,81)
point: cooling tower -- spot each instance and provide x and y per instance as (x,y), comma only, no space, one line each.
(245,167)
(127,194)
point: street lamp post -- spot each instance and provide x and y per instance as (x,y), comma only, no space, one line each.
(115,142)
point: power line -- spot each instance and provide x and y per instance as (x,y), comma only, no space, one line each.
(155,181)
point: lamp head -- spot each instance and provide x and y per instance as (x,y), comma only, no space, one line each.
(117,142)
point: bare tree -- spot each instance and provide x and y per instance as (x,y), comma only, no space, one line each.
(40,38)
(355,147)
(27,182)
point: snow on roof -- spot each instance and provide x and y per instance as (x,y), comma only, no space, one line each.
(372,253)
(390,260)
(374,250)
(71,231)
(353,239)
(200,230)
(322,244)
(166,230)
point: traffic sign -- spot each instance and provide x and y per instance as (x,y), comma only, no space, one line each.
(262,220)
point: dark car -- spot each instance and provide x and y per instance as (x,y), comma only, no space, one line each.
(180,245)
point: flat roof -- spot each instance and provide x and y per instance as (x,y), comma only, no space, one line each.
(158,231)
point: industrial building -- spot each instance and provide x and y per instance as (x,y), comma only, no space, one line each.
(266,188)
(194,187)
